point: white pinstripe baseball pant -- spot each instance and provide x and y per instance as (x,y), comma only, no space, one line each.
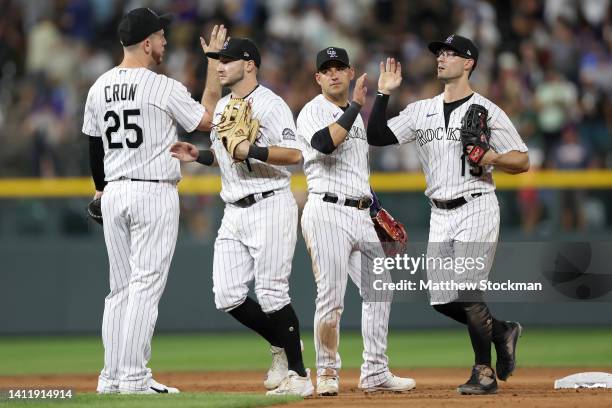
(140,230)
(337,237)
(256,243)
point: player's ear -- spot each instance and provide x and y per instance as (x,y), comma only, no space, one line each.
(468,64)
(351,73)
(250,66)
(147,45)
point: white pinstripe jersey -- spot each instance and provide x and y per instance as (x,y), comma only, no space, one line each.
(346,170)
(447,173)
(137,110)
(276,128)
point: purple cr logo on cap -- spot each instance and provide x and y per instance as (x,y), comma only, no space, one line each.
(331,52)
(449,39)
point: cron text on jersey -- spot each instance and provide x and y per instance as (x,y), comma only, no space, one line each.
(119,92)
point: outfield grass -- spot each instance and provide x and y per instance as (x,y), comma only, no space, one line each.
(245,351)
(183,400)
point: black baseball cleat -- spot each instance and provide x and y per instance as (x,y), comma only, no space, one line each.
(506,350)
(481,382)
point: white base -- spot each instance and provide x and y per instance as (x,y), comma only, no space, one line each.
(585,380)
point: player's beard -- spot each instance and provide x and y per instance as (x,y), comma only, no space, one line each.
(231,81)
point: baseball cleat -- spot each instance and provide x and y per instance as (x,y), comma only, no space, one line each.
(293,384)
(327,385)
(154,388)
(481,382)
(394,384)
(278,369)
(506,350)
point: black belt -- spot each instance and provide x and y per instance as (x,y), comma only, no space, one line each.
(361,204)
(452,204)
(249,200)
(133,179)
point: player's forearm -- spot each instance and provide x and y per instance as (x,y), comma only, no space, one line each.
(282,156)
(378,132)
(328,139)
(513,162)
(96,162)
(212,89)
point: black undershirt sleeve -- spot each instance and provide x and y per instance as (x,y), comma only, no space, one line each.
(322,141)
(379,133)
(96,162)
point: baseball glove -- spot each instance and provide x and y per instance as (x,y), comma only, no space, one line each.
(475,133)
(391,232)
(236,125)
(94,210)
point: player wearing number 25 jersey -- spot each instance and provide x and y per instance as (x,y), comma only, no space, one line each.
(131,118)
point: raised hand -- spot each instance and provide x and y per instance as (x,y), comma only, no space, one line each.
(217,39)
(360,91)
(390,76)
(185,152)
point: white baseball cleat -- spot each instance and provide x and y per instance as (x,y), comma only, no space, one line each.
(293,384)
(154,388)
(393,384)
(327,385)
(278,369)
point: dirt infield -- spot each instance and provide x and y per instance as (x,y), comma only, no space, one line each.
(529,387)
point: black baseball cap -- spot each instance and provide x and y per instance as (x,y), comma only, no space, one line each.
(140,23)
(463,46)
(332,54)
(238,48)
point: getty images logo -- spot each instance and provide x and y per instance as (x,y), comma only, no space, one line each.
(579,270)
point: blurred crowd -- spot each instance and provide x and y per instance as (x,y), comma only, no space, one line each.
(547,63)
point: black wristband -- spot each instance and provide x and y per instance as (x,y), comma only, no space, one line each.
(258,152)
(383,97)
(206,157)
(347,119)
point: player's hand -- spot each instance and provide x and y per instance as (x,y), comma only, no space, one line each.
(242,150)
(185,152)
(98,194)
(360,91)
(217,39)
(390,76)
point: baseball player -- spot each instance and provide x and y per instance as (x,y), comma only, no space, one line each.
(257,237)
(131,115)
(465,212)
(336,222)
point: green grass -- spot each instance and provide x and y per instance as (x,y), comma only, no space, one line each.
(245,351)
(183,400)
